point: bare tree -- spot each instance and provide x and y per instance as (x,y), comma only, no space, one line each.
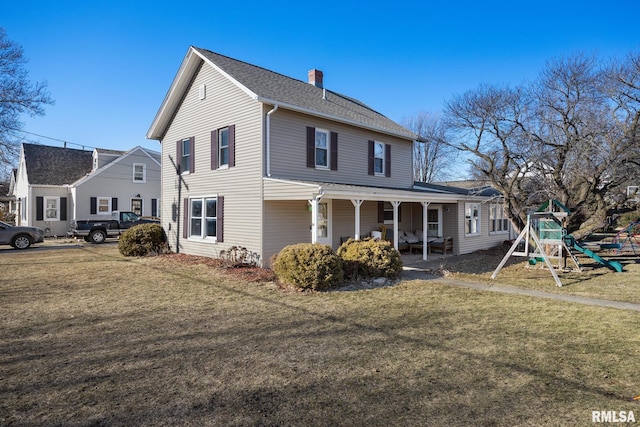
(553,138)
(432,156)
(17,96)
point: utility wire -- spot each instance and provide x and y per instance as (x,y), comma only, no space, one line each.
(53,139)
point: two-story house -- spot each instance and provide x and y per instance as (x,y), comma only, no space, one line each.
(257,159)
(55,185)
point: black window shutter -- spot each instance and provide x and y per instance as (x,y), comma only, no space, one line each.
(185,218)
(154,207)
(311,147)
(370,157)
(232,146)
(381,212)
(63,208)
(387,160)
(220,219)
(114,203)
(214,150)
(39,208)
(192,155)
(334,151)
(178,157)
(94,206)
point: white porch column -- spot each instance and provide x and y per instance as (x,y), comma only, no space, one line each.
(425,225)
(314,218)
(357,203)
(395,223)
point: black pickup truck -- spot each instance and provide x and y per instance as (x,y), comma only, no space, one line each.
(97,230)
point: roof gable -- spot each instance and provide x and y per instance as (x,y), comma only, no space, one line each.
(47,165)
(153,156)
(273,88)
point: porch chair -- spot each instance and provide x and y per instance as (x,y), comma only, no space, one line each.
(441,245)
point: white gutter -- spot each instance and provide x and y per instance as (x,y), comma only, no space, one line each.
(268,138)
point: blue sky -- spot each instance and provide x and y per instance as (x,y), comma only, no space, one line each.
(109,64)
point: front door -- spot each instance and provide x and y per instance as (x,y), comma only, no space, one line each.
(136,206)
(324,223)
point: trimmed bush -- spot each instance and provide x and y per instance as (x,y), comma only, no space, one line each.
(370,258)
(143,240)
(308,266)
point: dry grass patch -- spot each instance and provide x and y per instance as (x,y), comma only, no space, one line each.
(92,338)
(596,281)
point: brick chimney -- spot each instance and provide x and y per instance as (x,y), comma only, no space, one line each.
(315,78)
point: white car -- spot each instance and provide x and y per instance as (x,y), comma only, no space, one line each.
(20,237)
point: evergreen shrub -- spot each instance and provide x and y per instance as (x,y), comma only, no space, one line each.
(143,240)
(370,258)
(308,266)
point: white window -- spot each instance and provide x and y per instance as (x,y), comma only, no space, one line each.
(104,205)
(51,209)
(203,218)
(388,213)
(185,160)
(322,148)
(223,147)
(139,172)
(378,158)
(472,219)
(497,221)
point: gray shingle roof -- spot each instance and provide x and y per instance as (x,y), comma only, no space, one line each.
(54,165)
(271,86)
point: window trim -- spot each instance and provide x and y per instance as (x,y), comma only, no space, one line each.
(501,219)
(327,149)
(383,158)
(221,147)
(98,199)
(45,200)
(477,220)
(144,173)
(202,237)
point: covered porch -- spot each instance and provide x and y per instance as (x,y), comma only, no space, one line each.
(335,212)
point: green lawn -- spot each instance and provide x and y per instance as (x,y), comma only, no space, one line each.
(91,338)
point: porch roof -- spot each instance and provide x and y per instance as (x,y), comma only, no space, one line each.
(288,189)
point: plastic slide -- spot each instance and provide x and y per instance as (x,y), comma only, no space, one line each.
(613,265)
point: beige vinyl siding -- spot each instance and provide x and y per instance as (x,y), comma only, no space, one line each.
(279,190)
(484,240)
(289,152)
(285,223)
(225,104)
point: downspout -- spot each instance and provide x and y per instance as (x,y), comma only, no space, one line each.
(268,138)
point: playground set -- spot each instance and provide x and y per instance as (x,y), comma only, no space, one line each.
(545,239)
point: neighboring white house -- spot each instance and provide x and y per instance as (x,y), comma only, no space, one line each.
(257,159)
(55,185)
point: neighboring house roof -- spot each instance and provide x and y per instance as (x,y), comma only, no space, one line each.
(480,189)
(107,151)
(274,89)
(54,165)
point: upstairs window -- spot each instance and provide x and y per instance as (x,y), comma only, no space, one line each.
(379,158)
(139,173)
(322,149)
(185,155)
(223,148)
(223,144)
(185,160)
